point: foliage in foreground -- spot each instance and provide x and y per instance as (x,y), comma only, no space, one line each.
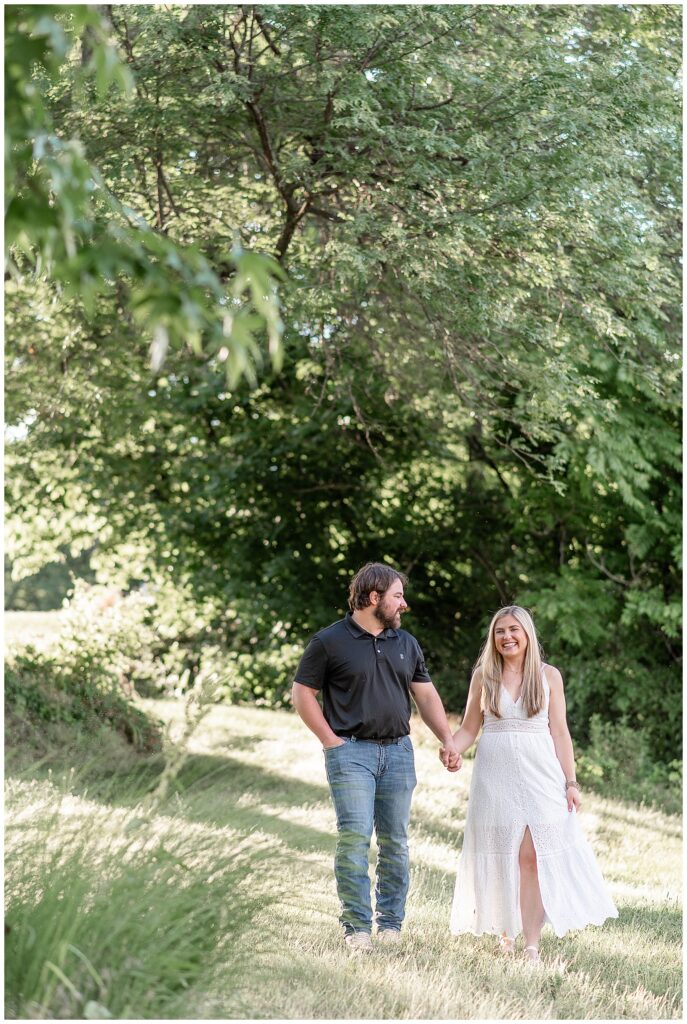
(65,226)
(113,914)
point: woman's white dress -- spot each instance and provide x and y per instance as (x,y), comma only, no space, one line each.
(517,781)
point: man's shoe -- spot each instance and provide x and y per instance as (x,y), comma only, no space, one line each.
(388,936)
(359,941)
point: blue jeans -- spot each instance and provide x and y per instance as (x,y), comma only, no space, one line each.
(371,786)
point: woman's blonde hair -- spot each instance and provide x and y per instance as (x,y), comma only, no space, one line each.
(490,664)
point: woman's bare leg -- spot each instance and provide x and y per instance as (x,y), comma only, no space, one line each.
(531,906)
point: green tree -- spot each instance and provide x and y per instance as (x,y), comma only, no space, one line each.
(477,209)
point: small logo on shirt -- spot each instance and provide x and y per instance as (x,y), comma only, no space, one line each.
(402,657)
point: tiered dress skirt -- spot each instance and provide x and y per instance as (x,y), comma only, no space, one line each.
(518,783)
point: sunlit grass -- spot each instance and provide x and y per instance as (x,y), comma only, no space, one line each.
(255,780)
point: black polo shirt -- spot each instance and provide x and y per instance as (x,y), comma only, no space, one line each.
(365,679)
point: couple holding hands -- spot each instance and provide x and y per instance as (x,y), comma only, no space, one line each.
(525,860)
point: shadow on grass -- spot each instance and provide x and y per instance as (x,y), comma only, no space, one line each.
(671,828)
(660,924)
(448,833)
(126,783)
(649,955)
(224,791)
(210,789)
(206,771)
(206,777)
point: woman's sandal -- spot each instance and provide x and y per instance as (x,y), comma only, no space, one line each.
(506,945)
(532,954)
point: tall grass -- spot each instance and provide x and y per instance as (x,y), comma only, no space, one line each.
(110,913)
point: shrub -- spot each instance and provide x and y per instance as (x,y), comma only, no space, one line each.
(619,687)
(115,633)
(618,761)
(263,678)
(42,689)
(83,676)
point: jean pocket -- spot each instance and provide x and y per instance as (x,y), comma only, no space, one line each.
(329,750)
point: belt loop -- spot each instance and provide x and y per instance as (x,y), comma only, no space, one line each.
(353,739)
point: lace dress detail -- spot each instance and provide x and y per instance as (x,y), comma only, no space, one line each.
(518,782)
(534,724)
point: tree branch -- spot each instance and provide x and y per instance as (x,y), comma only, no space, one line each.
(263,28)
(484,561)
(433,106)
(602,568)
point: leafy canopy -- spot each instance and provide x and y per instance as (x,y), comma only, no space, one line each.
(478,212)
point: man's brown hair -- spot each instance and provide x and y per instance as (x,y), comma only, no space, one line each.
(373,576)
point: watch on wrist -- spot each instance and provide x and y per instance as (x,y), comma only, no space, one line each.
(572,782)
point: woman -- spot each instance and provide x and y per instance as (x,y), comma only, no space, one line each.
(525,860)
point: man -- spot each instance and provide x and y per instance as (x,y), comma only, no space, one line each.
(366,668)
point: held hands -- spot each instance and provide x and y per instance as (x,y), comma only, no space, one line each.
(450,758)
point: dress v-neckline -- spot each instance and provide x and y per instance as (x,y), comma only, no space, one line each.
(513,702)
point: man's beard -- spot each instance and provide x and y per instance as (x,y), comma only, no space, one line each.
(388,621)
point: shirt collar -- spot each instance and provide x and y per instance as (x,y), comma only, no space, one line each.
(358,631)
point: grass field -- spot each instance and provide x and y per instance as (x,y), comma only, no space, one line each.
(254,788)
